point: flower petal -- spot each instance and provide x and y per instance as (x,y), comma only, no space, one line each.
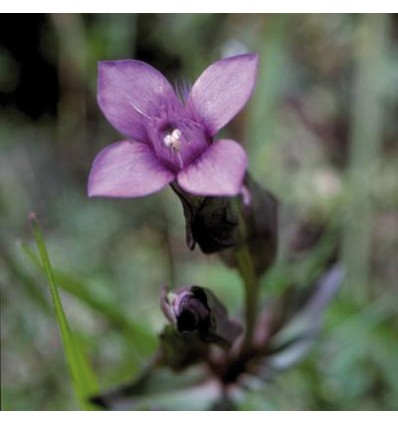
(222,90)
(219,171)
(130,93)
(127,170)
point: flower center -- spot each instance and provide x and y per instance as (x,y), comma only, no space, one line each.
(177,141)
(173,140)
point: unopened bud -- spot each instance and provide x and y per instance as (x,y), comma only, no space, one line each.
(196,309)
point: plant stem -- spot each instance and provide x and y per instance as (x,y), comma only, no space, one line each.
(249,277)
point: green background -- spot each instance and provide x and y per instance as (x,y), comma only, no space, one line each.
(321,132)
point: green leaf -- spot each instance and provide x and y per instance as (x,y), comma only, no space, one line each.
(295,339)
(83,378)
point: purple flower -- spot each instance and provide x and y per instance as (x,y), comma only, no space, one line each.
(169,140)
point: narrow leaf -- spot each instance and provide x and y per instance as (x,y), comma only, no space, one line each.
(84,381)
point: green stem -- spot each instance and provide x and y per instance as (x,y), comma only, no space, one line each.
(249,277)
(251,284)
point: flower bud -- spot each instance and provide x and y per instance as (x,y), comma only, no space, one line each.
(196,309)
(223,224)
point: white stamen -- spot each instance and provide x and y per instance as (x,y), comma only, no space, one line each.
(172,140)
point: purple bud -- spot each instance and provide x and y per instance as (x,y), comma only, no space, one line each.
(196,309)
(193,315)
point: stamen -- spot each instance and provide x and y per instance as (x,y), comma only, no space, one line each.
(173,140)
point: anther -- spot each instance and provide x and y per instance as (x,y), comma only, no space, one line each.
(172,140)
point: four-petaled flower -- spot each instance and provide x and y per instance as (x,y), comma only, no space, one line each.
(170,140)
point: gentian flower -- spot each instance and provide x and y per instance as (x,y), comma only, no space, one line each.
(169,139)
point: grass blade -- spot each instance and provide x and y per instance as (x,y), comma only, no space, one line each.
(144,342)
(84,381)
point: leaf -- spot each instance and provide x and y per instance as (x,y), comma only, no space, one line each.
(295,339)
(161,389)
(179,351)
(83,378)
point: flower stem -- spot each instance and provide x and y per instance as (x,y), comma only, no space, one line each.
(249,277)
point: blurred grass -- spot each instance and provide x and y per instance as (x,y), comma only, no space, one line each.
(322,134)
(366,136)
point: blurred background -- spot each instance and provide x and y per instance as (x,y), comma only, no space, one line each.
(321,132)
